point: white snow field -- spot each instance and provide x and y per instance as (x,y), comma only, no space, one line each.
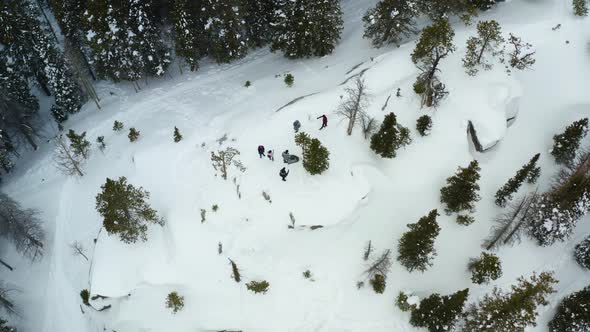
(361,197)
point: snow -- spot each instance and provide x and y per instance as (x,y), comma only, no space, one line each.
(361,197)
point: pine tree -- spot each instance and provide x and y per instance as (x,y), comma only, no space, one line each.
(378,283)
(289,80)
(174,302)
(390,137)
(566,144)
(573,313)
(488,41)
(4,327)
(304,28)
(416,247)
(485,268)
(580,7)
(79,144)
(225,30)
(389,21)
(461,191)
(133,134)
(177,135)
(316,158)
(529,172)
(101,143)
(439,9)
(582,253)
(435,43)
(125,211)
(423,125)
(483,5)
(117,126)
(510,311)
(259,18)
(188,32)
(439,313)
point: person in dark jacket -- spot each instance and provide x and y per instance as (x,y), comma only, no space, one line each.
(283,173)
(324,121)
(296,126)
(261,151)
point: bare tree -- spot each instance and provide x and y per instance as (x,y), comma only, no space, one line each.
(22,227)
(66,160)
(78,249)
(368,250)
(369,125)
(381,265)
(522,56)
(6,301)
(354,106)
(223,159)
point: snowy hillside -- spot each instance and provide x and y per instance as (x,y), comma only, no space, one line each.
(361,197)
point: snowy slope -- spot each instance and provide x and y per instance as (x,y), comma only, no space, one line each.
(360,198)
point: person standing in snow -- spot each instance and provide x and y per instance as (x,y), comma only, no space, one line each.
(283,173)
(261,151)
(271,155)
(296,126)
(324,121)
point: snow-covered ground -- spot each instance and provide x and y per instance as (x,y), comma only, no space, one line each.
(361,197)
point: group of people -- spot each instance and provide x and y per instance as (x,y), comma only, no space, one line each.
(287,157)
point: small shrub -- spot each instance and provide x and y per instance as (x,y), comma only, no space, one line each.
(360,284)
(258,286)
(307,274)
(402,302)
(101,143)
(419,87)
(289,80)
(266,196)
(177,135)
(485,268)
(133,134)
(423,125)
(203,215)
(117,126)
(85,295)
(465,220)
(248,84)
(215,207)
(378,283)
(175,302)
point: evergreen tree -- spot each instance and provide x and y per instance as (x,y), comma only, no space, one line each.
(435,43)
(582,253)
(439,313)
(125,211)
(133,134)
(225,29)
(4,327)
(529,172)
(117,126)
(188,32)
(416,247)
(259,18)
(580,7)
(79,144)
(510,311)
(177,135)
(390,137)
(488,40)
(485,268)
(289,80)
(461,191)
(566,144)
(389,21)
(174,302)
(101,143)
(378,283)
(316,158)
(423,125)
(483,5)
(573,313)
(304,28)
(439,9)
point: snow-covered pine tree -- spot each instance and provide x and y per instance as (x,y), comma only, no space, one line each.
(510,311)
(484,5)
(389,21)
(125,210)
(573,313)
(582,253)
(580,7)
(189,41)
(304,28)
(461,191)
(258,15)
(79,144)
(485,268)
(390,137)
(529,172)
(488,41)
(177,135)
(4,327)
(416,246)
(423,125)
(225,29)
(566,144)
(439,313)
(440,9)
(316,158)
(18,110)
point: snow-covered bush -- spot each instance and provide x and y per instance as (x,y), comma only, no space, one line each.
(316,158)
(580,7)
(582,253)
(406,302)
(289,80)
(177,135)
(573,313)
(258,286)
(465,219)
(133,134)
(175,302)
(117,126)
(485,268)
(566,144)
(378,283)
(85,295)
(423,125)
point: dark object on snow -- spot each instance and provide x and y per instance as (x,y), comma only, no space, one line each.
(283,173)
(289,158)
(271,155)
(261,151)
(296,126)
(324,121)
(398,94)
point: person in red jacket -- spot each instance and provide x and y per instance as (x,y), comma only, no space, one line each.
(324,121)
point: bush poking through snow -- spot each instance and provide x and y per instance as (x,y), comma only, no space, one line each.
(439,313)
(390,137)
(416,246)
(307,274)
(133,134)
(215,207)
(289,80)
(203,215)
(6,328)
(101,143)
(174,302)
(248,84)
(580,7)
(316,158)
(465,219)
(258,286)
(117,126)
(235,271)
(566,144)
(582,253)
(423,125)
(125,210)
(378,283)
(573,313)
(529,172)
(85,295)
(485,268)
(462,189)
(402,302)
(177,135)
(488,40)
